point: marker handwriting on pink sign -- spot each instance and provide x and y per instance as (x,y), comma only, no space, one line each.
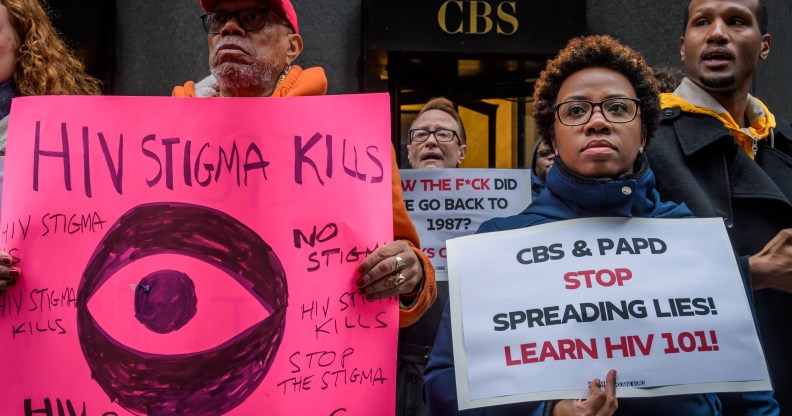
(325,315)
(49,225)
(329,256)
(201,163)
(37,305)
(333,317)
(324,370)
(58,407)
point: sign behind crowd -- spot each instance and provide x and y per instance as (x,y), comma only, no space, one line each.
(450,203)
(196,256)
(546,309)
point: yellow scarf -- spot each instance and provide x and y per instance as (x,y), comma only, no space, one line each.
(758,130)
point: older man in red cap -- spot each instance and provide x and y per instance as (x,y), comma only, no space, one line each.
(252,47)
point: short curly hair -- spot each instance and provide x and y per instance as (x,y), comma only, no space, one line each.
(589,52)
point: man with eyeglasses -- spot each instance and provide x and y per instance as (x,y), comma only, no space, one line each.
(436,140)
(436,137)
(252,47)
(723,153)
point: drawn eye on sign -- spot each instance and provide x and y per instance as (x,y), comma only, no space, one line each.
(208,382)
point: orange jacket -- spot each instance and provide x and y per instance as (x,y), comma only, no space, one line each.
(298,83)
(312,81)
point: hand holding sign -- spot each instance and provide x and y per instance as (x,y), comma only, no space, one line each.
(599,402)
(392,269)
(8,273)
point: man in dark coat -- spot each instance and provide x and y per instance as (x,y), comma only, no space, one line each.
(722,152)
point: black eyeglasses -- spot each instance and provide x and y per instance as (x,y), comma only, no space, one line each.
(615,110)
(251,19)
(441,135)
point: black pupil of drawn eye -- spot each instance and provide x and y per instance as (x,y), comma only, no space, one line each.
(165,301)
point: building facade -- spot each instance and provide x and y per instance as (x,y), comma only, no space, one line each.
(482,54)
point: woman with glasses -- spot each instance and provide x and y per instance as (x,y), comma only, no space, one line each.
(33,61)
(596,105)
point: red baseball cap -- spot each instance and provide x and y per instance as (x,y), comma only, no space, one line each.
(282,8)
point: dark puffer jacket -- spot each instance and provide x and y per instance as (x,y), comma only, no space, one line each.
(570,196)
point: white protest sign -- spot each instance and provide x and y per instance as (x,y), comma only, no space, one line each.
(450,203)
(540,311)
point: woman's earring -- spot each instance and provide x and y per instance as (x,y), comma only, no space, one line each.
(556,152)
(640,149)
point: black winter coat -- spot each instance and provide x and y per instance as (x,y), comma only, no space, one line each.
(696,161)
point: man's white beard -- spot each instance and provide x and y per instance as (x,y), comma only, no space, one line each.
(236,77)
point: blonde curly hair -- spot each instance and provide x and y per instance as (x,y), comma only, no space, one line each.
(45,65)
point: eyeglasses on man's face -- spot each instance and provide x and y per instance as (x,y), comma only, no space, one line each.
(615,110)
(250,19)
(441,135)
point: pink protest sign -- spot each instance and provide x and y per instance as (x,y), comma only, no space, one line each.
(196,256)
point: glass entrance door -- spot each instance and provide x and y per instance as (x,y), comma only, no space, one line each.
(493,95)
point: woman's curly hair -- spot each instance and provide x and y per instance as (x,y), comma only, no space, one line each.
(45,65)
(589,52)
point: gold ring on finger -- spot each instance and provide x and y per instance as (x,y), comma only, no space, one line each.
(398,279)
(400,264)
